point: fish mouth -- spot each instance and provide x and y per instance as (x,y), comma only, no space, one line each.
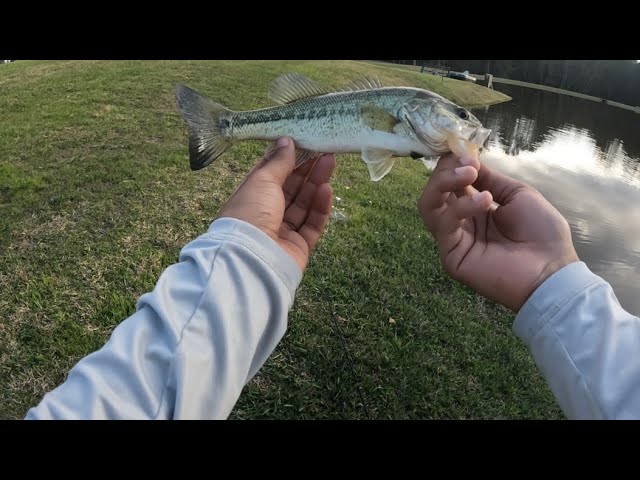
(478,136)
(485,145)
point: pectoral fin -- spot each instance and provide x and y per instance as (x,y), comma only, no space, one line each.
(379,162)
(377,118)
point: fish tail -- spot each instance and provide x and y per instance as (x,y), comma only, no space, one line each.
(209,127)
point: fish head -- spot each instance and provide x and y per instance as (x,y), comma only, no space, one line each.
(444,126)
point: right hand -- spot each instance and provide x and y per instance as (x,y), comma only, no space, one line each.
(502,253)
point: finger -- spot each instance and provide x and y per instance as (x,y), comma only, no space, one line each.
(318,216)
(279,164)
(270,152)
(502,188)
(448,229)
(439,185)
(459,209)
(451,160)
(323,169)
(442,183)
(326,164)
(294,182)
(472,205)
(296,214)
(467,190)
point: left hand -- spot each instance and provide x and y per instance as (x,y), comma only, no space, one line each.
(291,206)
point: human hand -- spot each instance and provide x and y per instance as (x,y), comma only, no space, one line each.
(291,206)
(503,253)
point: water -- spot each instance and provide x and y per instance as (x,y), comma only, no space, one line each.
(584,157)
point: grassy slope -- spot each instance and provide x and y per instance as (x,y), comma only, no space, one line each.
(458,91)
(96,200)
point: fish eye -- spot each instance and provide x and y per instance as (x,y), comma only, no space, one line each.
(463,114)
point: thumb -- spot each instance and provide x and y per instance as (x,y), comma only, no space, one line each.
(280,161)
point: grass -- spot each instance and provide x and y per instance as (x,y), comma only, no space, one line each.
(96,199)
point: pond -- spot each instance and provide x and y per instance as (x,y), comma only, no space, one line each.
(584,157)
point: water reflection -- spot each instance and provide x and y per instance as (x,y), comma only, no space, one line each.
(585,158)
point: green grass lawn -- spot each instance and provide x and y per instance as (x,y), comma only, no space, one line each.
(96,199)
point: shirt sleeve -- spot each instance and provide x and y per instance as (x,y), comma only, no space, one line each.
(585,344)
(193,343)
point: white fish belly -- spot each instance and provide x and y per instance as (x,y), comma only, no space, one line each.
(337,135)
(401,145)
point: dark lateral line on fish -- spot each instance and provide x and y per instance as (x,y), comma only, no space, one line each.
(259,117)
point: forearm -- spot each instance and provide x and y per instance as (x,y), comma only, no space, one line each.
(585,344)
(194,342)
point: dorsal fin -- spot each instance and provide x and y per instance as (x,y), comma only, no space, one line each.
(290,87)
(364,82)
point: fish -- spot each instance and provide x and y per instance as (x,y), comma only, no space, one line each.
(380,123)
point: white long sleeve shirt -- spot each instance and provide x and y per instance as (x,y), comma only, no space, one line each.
(586,346)
(205,330)
(214,318)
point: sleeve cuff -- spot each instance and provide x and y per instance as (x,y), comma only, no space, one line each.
(550,297)
(260,244)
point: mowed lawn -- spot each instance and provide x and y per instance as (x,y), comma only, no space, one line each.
(96,199)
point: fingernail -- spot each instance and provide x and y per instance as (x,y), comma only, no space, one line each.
(466,161)
(460,171)
(282,142)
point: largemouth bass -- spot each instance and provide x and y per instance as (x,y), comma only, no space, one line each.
(379,123)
